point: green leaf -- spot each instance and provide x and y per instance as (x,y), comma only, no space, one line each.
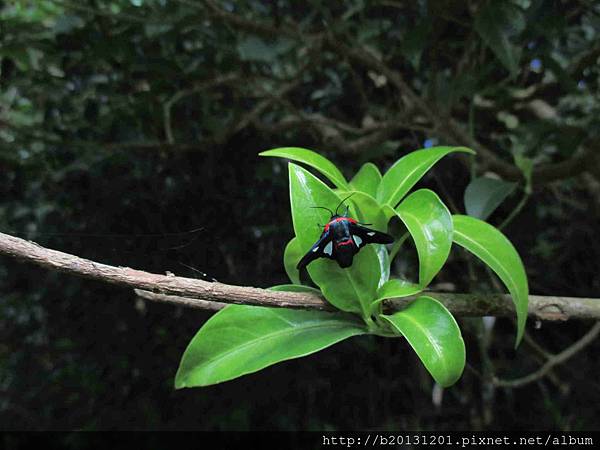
(313,160)
(494,249)
(350,289)
(295,288)
(483,195)
(396,288)
(368,210)
(384,263)
(430,224)
(405,173)
(367,179)
(243,339)
(435,336)
(291,255)
(254,48)
(496,22)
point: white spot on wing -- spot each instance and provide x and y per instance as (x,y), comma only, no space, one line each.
(371,233)
(328,248)
(357,240)
(315,249)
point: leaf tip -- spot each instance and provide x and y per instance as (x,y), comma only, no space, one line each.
(180,382)
(466,150)
(520,333)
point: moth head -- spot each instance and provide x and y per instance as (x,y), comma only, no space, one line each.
(335,214)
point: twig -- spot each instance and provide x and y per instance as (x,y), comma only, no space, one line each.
(560,358)
(180,95)
(516,210)
(446,127)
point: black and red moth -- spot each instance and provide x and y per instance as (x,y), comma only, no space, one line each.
(341,239)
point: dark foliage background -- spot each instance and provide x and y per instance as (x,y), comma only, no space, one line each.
(129,133)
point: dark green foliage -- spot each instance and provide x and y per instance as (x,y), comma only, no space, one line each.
(119,119)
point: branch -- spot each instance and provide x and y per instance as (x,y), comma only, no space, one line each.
(164,284)
(446,127)
(206,295)
(197,88)
(554,360)
(252,26)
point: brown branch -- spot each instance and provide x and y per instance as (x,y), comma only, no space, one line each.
(202,294)
(181,301)
(559,358)
(164,284)
(180,95)
(446,127)
(252,26)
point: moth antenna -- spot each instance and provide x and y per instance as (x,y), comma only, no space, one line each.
(322,207)
(342,202)
(202,274)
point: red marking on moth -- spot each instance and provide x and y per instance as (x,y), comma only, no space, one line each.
(346,242)
(340,219)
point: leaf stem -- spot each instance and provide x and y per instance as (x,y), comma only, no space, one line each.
(396,247)
(516,210)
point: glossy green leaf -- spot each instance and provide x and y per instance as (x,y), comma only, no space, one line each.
(368,210)
(243,339)
(313,160)
(396,288)
(367,179)
(495,250)
(291,255)
(384,263)
(405,173)
(496,22)
(295,288)
(430,224)
(350,289)
(435,336)
(483,195)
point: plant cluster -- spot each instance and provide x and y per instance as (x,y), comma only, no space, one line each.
(243,339)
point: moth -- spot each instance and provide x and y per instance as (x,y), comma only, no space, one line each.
(342,238)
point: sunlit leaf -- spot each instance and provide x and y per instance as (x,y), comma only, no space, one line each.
(396,288)
(350,289)
(243,339)
(295,288)
(368,210)
(367,179)
(291,255)
(313,160)
(495,250)
(408,170)
(430,224)
(435,337)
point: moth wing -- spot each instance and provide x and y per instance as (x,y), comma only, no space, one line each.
(323,248)
(363,236)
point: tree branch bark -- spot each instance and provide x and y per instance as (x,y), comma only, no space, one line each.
(196,293)
(446,127)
